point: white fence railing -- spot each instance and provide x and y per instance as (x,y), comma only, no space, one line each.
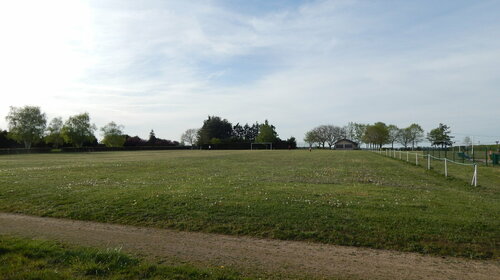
(408,157)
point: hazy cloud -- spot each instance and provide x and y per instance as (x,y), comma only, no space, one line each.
(166,65)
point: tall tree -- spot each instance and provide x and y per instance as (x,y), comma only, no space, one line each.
(416,134)
(310,138)
(440,136)
(247,133)
(317,135)
(358,131)
(404,137)
(267,133)
(377,134)
(349,131)
(113,135)
(152,137)
(322,134)
(189,136)
(26,124)
(54,132)
(332,134)
(238,133)
(214,128)
(292,143)
(393,134)
(77,130)
(251,132)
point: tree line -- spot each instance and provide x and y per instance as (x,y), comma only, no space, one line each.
(216,130)
(378,134)
(28,126)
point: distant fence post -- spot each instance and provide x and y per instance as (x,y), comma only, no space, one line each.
(416,159)
(445,167)
(428,161)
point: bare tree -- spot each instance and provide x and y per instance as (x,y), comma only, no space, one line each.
(393,134)
(316,135)
(404,137)
(333,134)
(349,130)
(416,133)
(190,136)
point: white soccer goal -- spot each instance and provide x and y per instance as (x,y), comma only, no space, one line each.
(261,146)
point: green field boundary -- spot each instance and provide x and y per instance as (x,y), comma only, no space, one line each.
(426,162)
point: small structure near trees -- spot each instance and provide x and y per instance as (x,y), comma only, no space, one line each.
(346,144)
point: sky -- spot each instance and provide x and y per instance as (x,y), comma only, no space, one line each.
(168,65)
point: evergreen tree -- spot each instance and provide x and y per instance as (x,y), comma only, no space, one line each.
(267,133)
(440,136)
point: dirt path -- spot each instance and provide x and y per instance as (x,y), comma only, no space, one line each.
(250,254)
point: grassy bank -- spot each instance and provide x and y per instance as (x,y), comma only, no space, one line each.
(340,197)
(35,259)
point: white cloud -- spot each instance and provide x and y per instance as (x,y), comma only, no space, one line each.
(167,65)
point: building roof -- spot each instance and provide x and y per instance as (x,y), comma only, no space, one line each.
(347,140)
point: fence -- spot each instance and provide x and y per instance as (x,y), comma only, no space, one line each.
(479,154)
(430,162)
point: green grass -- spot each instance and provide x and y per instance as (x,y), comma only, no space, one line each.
(35,259)
(338,197)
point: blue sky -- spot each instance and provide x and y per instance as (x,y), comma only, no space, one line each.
(167,65)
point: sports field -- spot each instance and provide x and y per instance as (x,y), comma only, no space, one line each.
(339,197)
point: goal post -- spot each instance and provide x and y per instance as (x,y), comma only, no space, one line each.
(261,146)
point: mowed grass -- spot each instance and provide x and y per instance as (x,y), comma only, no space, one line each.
(45,260)
(339,197)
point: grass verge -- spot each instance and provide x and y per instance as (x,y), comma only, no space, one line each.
(36,259)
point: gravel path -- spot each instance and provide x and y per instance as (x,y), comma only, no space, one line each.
(251,254)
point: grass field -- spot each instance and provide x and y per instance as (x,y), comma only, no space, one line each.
(340,197)
(45,260)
